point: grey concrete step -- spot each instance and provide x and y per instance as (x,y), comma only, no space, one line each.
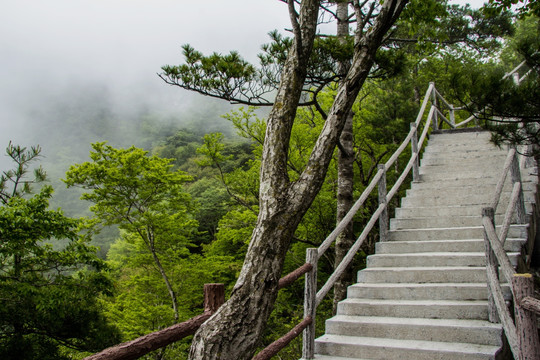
(488,184)
(452,158)
(455,233)
(329,357)
(465,245)
(394,349)
(445,211)
(472,176)
(432,259)
(458,146)
(439,222)
(437,191)
(487,157)
(423,274)
(462,200)
(429,309)
(443,330)
(417,291)
(492,168)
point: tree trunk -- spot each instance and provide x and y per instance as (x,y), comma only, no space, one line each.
(345,174)
(233,332)
(344,204)
(163,274)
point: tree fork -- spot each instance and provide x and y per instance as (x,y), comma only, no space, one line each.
(234,331)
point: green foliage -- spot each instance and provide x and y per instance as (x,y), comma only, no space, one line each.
(136,192)
(48,294)
(524,7)
(13,182)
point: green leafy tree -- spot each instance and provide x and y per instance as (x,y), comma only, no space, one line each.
(144,197)
(49,304)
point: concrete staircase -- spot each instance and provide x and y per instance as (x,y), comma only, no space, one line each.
(423,295)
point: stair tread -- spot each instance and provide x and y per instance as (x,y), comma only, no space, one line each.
(400,285)
(385,302)
(417,321)
(411,344)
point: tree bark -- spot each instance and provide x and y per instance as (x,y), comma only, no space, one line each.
(345,165)
(233,332)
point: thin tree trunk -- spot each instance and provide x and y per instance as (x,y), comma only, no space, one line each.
(161,270)
(233,332)
(345,173)
(344,204)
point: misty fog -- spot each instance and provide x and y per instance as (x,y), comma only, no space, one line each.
(75,72)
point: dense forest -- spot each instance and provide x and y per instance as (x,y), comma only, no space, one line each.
(111,235)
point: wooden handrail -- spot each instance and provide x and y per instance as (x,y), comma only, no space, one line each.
(531,304)
(506,169)
(502,257)
(294,275)
(516,189)
(283,341)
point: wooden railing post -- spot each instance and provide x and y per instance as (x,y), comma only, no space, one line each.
(526,327)
(414,150)
(516,177)
(434,102)
(383,217)
(310,304)
(452,115)
(491,262)
(214,297)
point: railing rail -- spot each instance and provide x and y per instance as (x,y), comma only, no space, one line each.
(522,334)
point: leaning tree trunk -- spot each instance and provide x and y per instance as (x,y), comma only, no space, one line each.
(233,332)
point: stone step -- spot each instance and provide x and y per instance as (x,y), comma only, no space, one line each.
(472,134)
(491,168)
(454,158)
(446,211)
(393,349)
(461,146)
(488,184)
(462,200)
(454,233)
(432,259)
(466,245)
(437,191)
(473,176)
(429,309)
(443,330)
(423,274)
(329,357)
(439,222)
(415,291)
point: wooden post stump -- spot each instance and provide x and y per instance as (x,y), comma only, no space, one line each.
(526,324)
(214,297)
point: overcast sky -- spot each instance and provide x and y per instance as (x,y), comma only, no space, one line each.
(50,47)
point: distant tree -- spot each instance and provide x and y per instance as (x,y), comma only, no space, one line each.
(508,108)
(48,293)
(144,197)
